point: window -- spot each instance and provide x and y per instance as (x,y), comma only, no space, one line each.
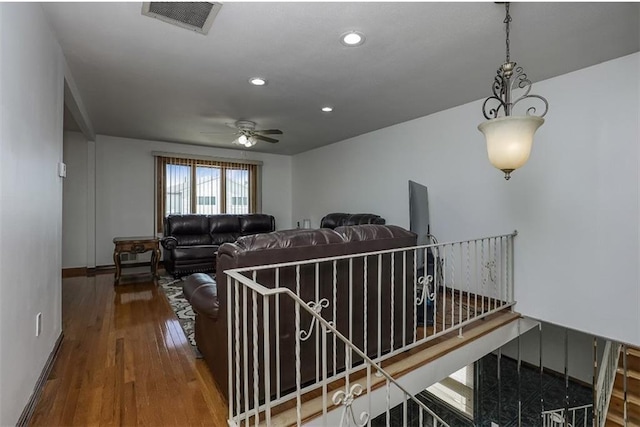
(457,390)
(206,200)
(239,201)
(199,186)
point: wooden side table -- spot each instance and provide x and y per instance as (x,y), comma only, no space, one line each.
(136,245)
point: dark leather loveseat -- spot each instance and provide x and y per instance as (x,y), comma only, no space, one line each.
(339,219)
(209,300)
(191,242)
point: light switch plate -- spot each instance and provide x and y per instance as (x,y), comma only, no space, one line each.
(62,170)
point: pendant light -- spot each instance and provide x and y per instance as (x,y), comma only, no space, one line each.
(510,137)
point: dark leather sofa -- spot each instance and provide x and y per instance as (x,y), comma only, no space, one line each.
(210,301)
(339,219)
(191,242)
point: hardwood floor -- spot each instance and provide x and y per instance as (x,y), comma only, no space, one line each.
(124,360)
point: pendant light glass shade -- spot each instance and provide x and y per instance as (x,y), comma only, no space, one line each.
(509,140)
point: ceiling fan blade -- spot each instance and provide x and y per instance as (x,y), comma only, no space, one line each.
(265,138)
(270,132)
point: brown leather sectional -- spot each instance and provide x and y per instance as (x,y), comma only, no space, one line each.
(210,301)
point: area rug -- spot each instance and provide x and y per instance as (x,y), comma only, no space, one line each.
(181,307)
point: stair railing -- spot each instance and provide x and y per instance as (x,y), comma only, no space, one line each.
(246,409)
(604,384)
(397,301)
(556,418)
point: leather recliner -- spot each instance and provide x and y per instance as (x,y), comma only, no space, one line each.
(339,219)
(191,241)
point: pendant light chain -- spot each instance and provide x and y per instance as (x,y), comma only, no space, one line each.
(507,20)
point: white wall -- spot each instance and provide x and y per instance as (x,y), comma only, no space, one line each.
(31,87)
(575,204)
(125,187)
(75,201)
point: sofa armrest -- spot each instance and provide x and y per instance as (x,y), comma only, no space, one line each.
(169,242)
(201,292)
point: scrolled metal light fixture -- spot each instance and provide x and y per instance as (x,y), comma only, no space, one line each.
(510,137)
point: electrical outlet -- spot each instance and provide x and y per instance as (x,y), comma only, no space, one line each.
(38,324)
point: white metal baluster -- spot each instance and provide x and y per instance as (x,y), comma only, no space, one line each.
(499,270)
(317,300)
(414,294)
(379,305)
(393,281)
(460,296)
(256,379)
(369,391)
(404,299)
(425,321)
(245,355)
(351,302)
(435,250)
(510,269)
(278,358)
(468,278)
(505,269)
(482,275)
(335,316)
(366,306)
(405,418)
(475,275)
(229,350)
(453,278)
(444,288)
(493,267)
(254,276)
(237,349)
(297,350)
(267,354)
(388,395)
(324,374)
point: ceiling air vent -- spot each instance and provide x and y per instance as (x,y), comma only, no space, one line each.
(194,16)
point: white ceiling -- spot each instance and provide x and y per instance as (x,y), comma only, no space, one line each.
(143,78)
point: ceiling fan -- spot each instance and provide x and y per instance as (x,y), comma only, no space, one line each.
(248,135)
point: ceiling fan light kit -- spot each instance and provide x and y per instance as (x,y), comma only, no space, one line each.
(510,138)
(248,135)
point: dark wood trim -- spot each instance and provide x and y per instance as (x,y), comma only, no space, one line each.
(29,409)
(74,272)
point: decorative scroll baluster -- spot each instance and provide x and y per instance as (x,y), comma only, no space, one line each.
(316,307)
(346,398)
(425,281)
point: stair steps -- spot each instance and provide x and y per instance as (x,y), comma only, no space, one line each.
(631,351)
(615,416)
(631,373)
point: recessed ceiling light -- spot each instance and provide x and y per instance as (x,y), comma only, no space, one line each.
(258,81)
(352,38)
(327,109)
